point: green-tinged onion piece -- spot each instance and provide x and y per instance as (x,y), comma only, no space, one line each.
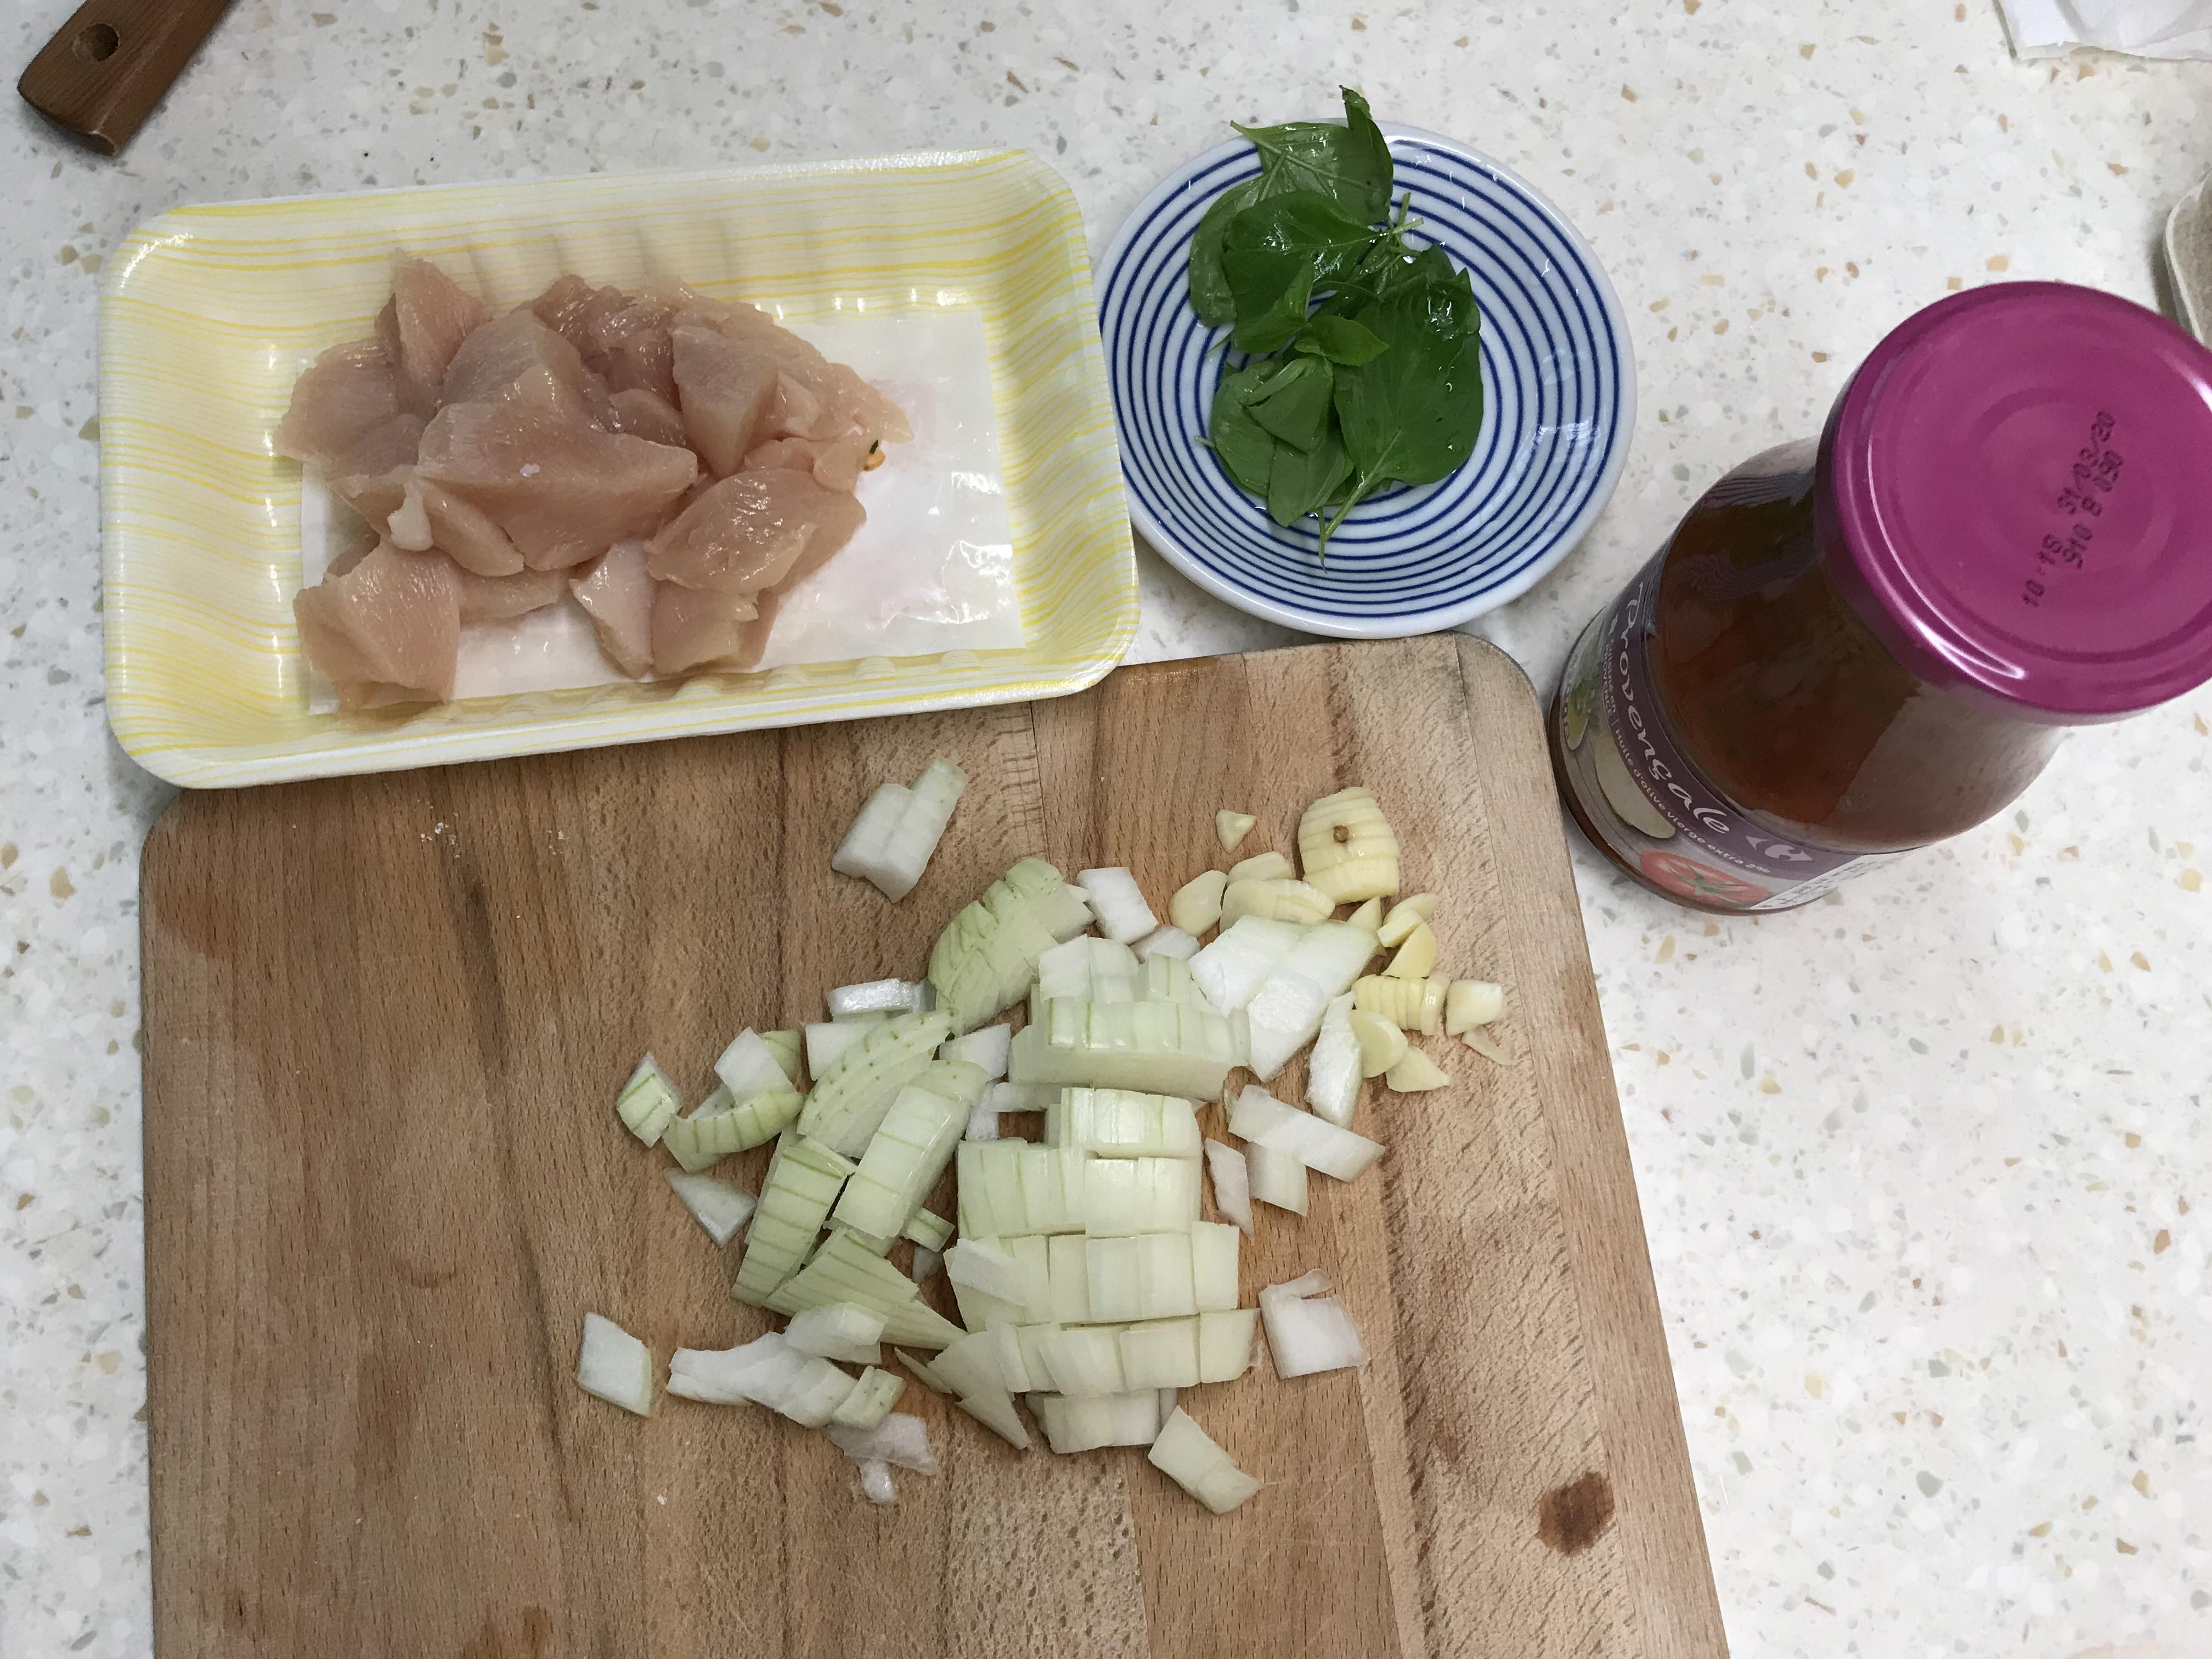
(648,1102)
(1188,1456)
(928,1230)
(842,1269)
(804,1179)
(851,1097)
(986,959)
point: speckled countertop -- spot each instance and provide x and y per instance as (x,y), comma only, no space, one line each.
(1927,1168)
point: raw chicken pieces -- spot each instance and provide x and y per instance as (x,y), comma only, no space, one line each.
(348,393)
(617,593)
(671,464)
(387,630)
(422,326)
(563,489)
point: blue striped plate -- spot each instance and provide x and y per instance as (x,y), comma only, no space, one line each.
(1559,389)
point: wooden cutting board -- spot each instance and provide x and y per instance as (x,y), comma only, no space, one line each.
(386,1017)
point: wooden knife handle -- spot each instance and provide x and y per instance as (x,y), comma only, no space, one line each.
(103,74)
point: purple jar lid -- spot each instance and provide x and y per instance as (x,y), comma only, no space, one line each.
(2019,501)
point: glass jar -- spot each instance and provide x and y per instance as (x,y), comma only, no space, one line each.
(1852,648)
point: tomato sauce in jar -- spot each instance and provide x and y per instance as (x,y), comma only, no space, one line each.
(1854,646)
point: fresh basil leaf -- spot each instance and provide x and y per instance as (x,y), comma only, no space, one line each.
(1414,412)
(1246,449)
(1349,164)
(1267,324)
(1303,482)
(1373,166)
(1294,403)
(1209,284)
(1299,224)
(1341,340)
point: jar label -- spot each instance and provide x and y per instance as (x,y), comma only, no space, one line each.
(1656,810)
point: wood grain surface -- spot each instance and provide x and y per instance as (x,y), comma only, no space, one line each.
(386,1017)
(113,61)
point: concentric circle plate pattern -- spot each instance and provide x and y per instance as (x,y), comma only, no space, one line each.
(1558,401)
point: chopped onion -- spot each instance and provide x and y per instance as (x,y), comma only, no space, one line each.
(1085,970)
(904,1157)
(838,1330)
(1122,1123)
(843,1269)
(1232,1184)
(615,1366)
(1406,915)
(850,1099)
(890,841)
(719,1127)
(986,1048)
(1285,1012)
(1084,1361)
(987,957)
(861,853)
(1212,1266)
(1333,1069)
(748,1068)
(1277,1178)
(1119,904)
(1188,1456)
(983,1265)
(1235,965)
(1023,1097)
(769,1372)
(718,1206)
(928,1229)
(1139,1194)
(926,1262)
(879,996)
(1161,1354)
(982,1122)
(1369,916)
(900,1440)
(648,1102)
(875,1483)
(789,1049)
(827,1041)
(1231,828)
(803,1180)
(924,1370)
(1225,1341)
(1260,1118)
(1161,1047)
(972,1366)
(1168,1402)
(1166,942)
(1080,1425)
(1470,1003)
(871,1400)
(1308,1331)
(1196,906)
(1415,1073)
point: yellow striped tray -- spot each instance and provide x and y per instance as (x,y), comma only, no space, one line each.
(207,312)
